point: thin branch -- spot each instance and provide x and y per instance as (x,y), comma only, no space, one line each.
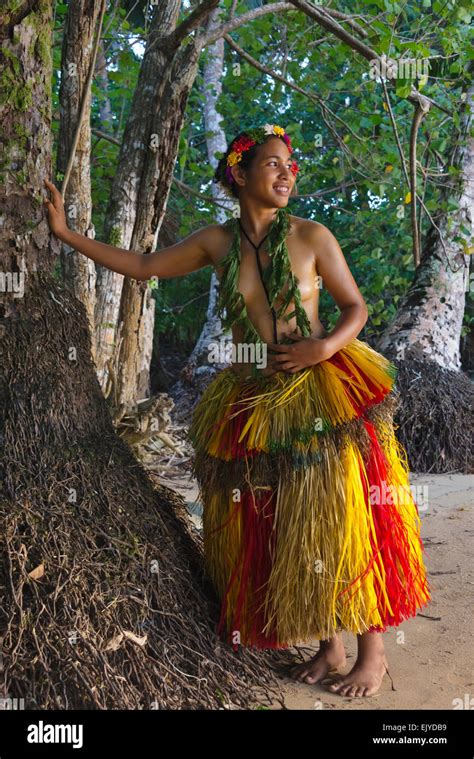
(105,136)
(418,117)
(425,172)
(395,131)
(244,18)
(349,20)
(323,18)
(310,95)
(411,183)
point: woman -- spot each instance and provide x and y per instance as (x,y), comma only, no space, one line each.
(309,524)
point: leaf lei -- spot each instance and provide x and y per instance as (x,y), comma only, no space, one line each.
(231,306)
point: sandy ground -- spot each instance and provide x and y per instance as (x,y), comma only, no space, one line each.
(430,657)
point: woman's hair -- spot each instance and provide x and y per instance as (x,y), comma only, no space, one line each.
(230,188)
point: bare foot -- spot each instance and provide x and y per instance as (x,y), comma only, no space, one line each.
(330,657)
(364,679)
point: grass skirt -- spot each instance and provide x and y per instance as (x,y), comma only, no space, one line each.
(309,523)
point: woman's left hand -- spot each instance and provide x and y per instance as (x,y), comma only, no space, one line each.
(306,351)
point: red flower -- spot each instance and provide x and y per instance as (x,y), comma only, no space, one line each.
(243,144)
(294,168)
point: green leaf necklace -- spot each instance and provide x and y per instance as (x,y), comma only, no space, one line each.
(231,307)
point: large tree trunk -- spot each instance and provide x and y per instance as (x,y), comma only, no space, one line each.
(122,208)
(102,600)
(78,270)
(428,323)
(113,313)
(173,68)
(215,142)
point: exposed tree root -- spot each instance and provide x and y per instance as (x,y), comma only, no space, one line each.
(435,417)
(120,615)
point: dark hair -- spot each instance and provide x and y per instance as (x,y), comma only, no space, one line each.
(245,163)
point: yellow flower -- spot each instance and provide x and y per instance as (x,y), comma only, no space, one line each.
(278,130)
(233,158)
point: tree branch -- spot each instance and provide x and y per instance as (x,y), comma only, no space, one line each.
(236,21)
(310,95)
(349,20)
(323,18)
(199,14)
(105,136)
(418,117)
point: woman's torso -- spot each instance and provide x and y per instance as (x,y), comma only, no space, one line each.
(302,261)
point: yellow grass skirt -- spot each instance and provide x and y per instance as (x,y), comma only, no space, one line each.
(310,526)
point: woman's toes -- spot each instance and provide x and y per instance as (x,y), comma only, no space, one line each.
(301,675)
(298,672)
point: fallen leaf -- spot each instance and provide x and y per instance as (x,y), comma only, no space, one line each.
(136,639)
(36,573)
(114,643)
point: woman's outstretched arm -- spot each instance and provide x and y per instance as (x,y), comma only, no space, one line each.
(186,256)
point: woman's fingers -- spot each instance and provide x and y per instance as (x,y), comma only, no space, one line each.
(54,190)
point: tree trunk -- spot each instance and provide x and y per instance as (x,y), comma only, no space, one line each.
(80,27)
(111,315)
(102,79)
(216,142)
(102,599)
(428,323)
(171,71)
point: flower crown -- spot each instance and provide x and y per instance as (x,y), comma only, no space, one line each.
(253,137)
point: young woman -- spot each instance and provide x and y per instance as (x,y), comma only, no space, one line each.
(310,528)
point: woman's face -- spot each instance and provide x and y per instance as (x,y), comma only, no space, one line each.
(269,174)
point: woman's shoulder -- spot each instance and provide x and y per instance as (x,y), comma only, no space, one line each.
(306,225)
(218,238)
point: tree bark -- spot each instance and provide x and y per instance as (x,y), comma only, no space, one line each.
(102,78)
(78,271)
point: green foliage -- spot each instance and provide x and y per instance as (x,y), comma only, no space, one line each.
(181,303)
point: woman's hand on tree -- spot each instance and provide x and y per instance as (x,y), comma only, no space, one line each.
(55,207)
